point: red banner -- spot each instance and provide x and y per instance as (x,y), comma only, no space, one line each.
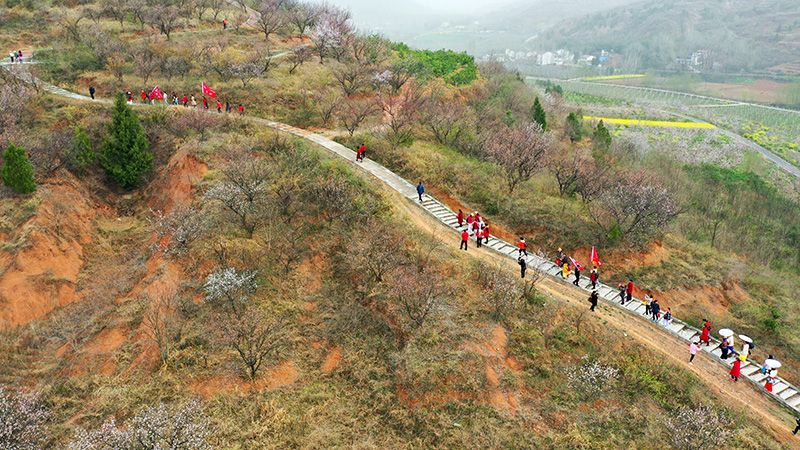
(156,94)
(207,90)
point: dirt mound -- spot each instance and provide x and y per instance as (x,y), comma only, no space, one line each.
(704,300)
(284,374)
(42,274)
(174,185)
(332,361)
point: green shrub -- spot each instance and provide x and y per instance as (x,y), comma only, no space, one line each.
(538,115)
(83,156)
(17,171)
(125,155)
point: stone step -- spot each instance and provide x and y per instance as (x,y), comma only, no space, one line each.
(758,377)
(794,402)
(689,334)
(750,370)
(778,388)
(788,393)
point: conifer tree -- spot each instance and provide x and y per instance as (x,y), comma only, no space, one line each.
(574,127)
(538,114)
(125,156)
(17,171)
(601,139)
(82,153)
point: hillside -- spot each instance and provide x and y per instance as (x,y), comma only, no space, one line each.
(175,275)
(740,35)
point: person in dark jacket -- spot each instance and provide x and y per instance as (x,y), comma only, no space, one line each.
(577,275)
(621,294)
(797,428)
(420,190)
(593,299)
(523,266)
(655,308)
(91,92)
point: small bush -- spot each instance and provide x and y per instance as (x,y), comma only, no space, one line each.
(125,155)
(83,156)
(17,171)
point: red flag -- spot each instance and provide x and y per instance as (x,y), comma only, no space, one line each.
(576,264)
(595,259)
(207,90)
(156,94)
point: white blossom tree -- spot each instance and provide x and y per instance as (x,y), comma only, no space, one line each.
(698,428)
(23,419)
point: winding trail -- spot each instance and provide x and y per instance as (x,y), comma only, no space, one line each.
(628,316)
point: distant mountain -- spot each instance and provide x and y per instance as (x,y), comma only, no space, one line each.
(737,34)
(530,17)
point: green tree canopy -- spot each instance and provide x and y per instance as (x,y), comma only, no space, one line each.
(125,156)
(574,128)
(601,139)
(17,171)
(538,115)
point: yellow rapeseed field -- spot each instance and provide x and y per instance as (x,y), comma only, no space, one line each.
(649,123)
(615,77)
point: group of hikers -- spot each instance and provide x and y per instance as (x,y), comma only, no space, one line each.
(475,226)
(184,100)
(15,56)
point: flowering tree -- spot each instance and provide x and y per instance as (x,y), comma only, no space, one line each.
(230,287)
(22,421)
(270,17)
(446,118)
(158,427)
(634,207)
(178,229)
(520,150)
(331,33)
(592,377)
(402,112)
(697,428)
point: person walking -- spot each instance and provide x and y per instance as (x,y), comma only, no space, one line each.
(225,24)
(13,55)
(486,234)
(621,288)
(523,266)
(19,56)
(241,109)
(91,92)
(205,103)
(705,335)
(723,346)
(770,383)
(736,370)
(227,106)
(460,218)
(577,275)
(522,246)
(420,190)
(185,101)
(646,300)
(594,277)
(593,300)
(797,428)
(360,151)
(629,290)
(655,310)
(143,95)
(668,318)
(694,347)
(194,102)
(464,240)
(219,106)
(565,271)
(479,237)
(560,257)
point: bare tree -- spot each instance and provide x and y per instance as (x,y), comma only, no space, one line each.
(117,10)
(165,18)
(402,112)
(216,7)
(520,150)
(326,103)
(634,207)
(594,178)
(256,337)
(446,118)
(566,168)
(176,231)
(414,299)
(163,324)
(147,60)
(270,17)
(354,112)
(299,56)
(370,262)
(352,76)
(303,16)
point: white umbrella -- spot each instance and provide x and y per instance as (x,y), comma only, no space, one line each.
(772,363)
(745,339)
(726,332)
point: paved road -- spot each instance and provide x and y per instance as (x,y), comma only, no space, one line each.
(783,392)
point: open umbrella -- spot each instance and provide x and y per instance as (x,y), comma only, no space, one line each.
(772,363)
(745,339)
(726,332)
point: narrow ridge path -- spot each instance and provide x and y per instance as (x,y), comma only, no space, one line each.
(783,392)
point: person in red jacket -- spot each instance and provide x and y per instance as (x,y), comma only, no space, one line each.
(143,94)
(184,101)
(629,290)
(219,106)
(360,153)
(241,109)
(460,218)
(464,240)
(593,277)
(522,246)
(486,234)
(705,336)
(205,102)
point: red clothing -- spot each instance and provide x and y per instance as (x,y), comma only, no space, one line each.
(768,386)
(144,95)
(460,218)
(219,105)
(593,276)
(522,245)
(464,236)
(184,100)
(486,232)
(241,109)
(704,336)
(470,219)
(629,289)
(736,370)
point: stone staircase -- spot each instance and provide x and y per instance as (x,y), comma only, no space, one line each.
(783,392)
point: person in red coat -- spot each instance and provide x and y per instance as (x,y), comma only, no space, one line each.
(219,106)
(185,101)
(205,102)
(241,109)
(522,246)
(143,94)
(629,290)
(593,277)
(464,240)
(486,234)
(705,336)
(736,370)
(360,153)
(460,218)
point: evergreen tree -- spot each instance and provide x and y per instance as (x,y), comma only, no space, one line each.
(125,156)
(538,114)
(82,153)
(574,127)
(601,139)
(17,171)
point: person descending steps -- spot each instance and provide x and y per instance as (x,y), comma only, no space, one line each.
(705,335)
(522,246)
(736,370)
(594,277)
(460,218)
(621,288)
(420,190)
(593,299)
(464,240)
(694,347)
(362,149)
(629,290)
(91,92)
(523,266)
